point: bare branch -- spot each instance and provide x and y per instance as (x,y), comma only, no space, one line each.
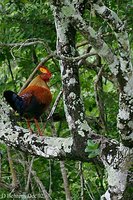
(29,174)
(81,180)
(15,182)
(98,89)
(21,44)
(40,184)
(81,57)
(36,178)
(55,105)
(65,180)
(5,186)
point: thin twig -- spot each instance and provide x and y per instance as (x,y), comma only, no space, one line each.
(65,180)
(88,188)
(24,44)
(37,180)
(12,169)
(81,180)
(55,105)
(5,186)
(33,42)
(82,44)
(99,75)
(52,112)
(42,187)
(29,174)
(98,89)
(50,178)
(74,59)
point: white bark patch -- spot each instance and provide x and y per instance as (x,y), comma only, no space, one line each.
(72,96)
(72,81)
(52,147)
(61,27)
(48,151)
(123,65)
(82,126)
(106,196)
(109,157)
(92,32)
(60,30)
(129,137)
(120,126)
(68,10)
(123,114)
(117,176)
(123,39)
(130,124)
(13,136)
(128,89)
(114,16)
(114,66)
(70,121)
(104,50)
(81,115)
(85,126)
(100,9)
(81,133)
(117,179)
(72,107)
(64,144)
(67,74)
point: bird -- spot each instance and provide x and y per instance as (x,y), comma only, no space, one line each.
(34,100)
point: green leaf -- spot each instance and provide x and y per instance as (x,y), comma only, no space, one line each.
(92,149)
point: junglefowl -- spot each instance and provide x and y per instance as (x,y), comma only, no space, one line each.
(33,100)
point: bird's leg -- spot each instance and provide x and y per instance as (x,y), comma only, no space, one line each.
(38,127)
(28,124)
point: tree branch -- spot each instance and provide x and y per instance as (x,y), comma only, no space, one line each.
(122,37)
(21,44)
(48,147)
(22,139)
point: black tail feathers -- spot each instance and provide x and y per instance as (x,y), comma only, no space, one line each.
(15,101)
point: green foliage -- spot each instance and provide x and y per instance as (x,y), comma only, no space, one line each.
(92,149)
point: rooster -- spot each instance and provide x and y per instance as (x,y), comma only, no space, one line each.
(34,99)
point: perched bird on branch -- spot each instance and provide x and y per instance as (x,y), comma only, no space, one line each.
(34,99)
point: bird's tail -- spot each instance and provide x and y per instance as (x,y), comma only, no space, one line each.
(15,101)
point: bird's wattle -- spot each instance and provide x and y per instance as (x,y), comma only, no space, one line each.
(45,77)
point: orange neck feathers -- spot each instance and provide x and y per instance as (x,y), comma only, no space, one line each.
(38,81)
